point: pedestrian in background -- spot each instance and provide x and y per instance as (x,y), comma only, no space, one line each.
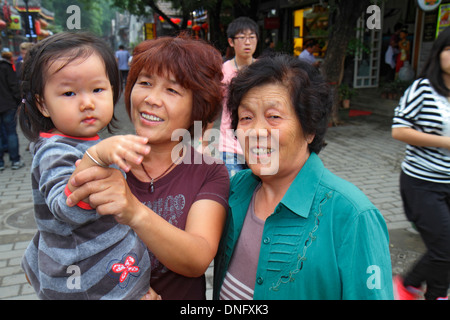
(123,59)
(243,34)
(9,101)
(422,120)
(24,48)
(307,54)
(390,57)
(404,47)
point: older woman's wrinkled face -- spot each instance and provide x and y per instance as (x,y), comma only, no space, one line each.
(270,132)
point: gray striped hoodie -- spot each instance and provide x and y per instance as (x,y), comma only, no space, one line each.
(76,253)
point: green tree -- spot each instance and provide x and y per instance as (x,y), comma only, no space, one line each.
(220,12)
(136,7)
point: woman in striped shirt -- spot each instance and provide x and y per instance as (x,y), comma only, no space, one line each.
(422,120)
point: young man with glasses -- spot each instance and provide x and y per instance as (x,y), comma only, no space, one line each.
(243,34)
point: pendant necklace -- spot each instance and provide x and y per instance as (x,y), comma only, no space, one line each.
(152,188)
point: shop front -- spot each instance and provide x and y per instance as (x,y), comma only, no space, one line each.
(25,21)
(301,21)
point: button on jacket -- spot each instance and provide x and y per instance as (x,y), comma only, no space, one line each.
(325,240)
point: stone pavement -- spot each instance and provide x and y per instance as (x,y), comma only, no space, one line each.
(360,151)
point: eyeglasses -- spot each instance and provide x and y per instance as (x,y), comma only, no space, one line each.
(250,38)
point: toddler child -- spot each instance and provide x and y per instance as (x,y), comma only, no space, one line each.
(70,86)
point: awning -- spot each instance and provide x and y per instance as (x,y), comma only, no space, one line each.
(33,5)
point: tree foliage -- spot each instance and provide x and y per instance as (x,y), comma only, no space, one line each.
(95,16)
(220,12)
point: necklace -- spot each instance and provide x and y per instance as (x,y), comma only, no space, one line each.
(152,188)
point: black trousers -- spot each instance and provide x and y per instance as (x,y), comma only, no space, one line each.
(123,77)
(427,205)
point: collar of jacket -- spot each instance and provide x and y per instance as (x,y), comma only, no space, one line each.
(298,198)
(4,60)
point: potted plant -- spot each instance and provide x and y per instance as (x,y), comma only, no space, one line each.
(386,90)
(394,90)
(345,94)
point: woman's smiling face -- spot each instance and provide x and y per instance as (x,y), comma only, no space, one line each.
(270,132)
(159,106)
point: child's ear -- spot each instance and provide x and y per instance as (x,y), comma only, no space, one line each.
(42,106)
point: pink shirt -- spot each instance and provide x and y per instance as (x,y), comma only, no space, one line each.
(227,141)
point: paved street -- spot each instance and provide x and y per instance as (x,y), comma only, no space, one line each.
(360,151)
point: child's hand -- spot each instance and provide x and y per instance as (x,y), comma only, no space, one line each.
(121,149)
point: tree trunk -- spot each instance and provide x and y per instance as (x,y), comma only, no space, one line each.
(214,28)
(344,15)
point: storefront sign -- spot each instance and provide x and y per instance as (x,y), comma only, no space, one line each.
(428,5)
(271,23)
(443,18)
(150,31)
(16,23)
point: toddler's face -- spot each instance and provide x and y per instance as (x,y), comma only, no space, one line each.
(79,97)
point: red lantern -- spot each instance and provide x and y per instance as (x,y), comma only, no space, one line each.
(205,26)
(196,28)
(7,13)
(37,26)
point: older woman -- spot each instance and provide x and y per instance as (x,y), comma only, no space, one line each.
(176,205)
(294,230)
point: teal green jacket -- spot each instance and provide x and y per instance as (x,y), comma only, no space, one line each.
(325,240)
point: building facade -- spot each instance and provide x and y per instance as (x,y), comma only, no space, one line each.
(290,23)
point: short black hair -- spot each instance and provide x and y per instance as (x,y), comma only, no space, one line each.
(68,45)
(432,69)
(311,44)
(242,24)
(310,95)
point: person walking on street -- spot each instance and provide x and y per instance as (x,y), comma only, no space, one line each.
(122,57)
(422,120)
(9,100)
